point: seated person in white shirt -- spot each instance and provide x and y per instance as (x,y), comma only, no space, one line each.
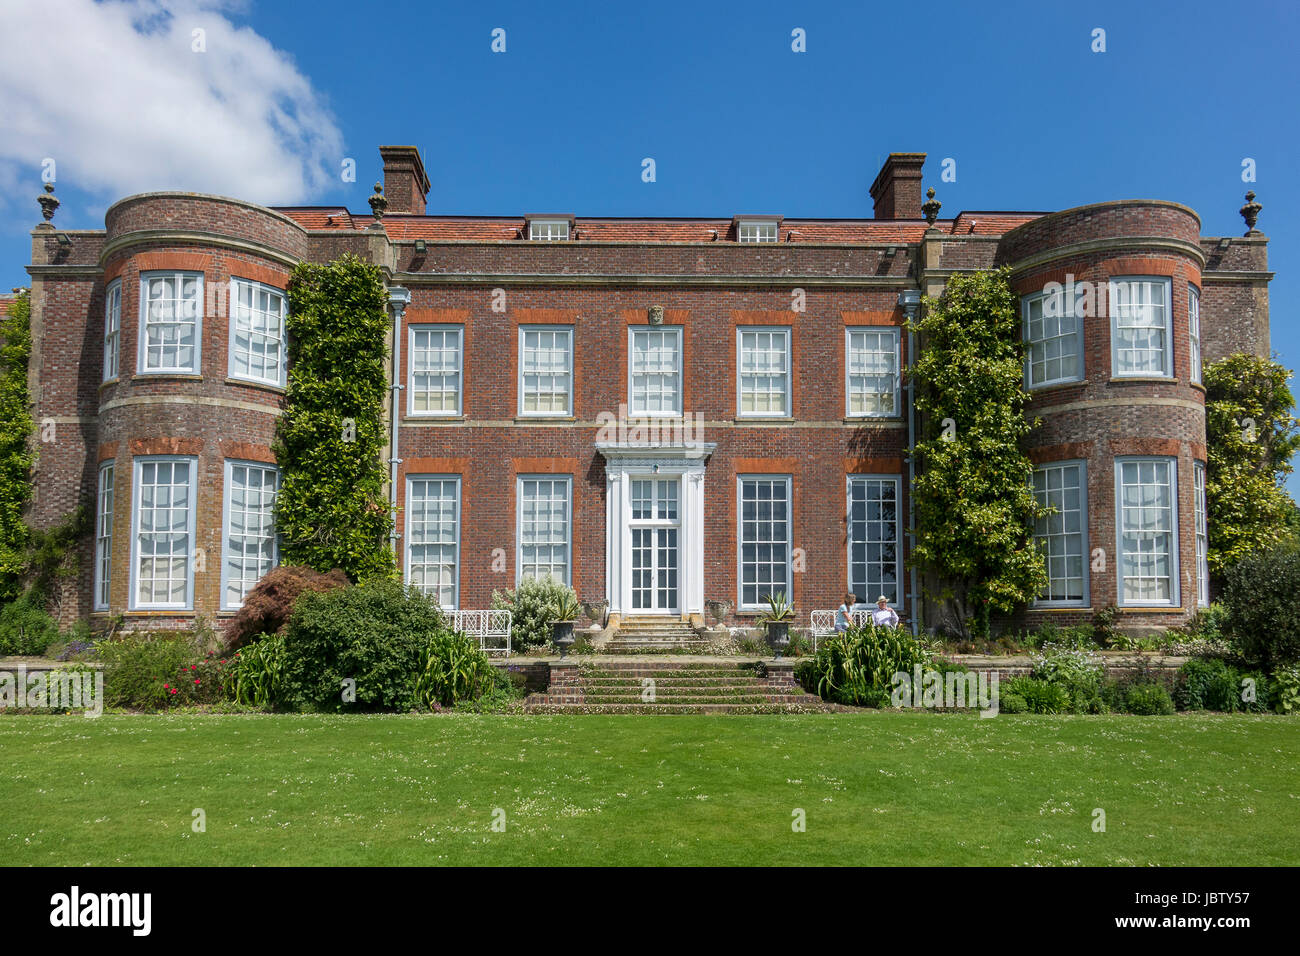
(844,616)
(884,615)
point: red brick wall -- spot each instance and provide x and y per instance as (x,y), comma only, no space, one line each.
(722,285)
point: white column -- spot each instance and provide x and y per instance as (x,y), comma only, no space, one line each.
(693,541)
(611,538)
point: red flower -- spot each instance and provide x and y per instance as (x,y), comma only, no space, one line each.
(196,680)
(173,690)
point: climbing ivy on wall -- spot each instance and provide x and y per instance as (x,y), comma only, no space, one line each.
(16,457)
(975,509)
(331,511)
(1251,434)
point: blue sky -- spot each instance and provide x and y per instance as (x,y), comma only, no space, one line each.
(735,121)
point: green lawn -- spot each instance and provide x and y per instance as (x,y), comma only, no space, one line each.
(877,788)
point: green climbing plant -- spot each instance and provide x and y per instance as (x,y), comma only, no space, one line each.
(975,510)
(1251,433)
(16,456)
(331,511)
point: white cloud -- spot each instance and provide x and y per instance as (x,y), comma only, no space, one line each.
(115,94)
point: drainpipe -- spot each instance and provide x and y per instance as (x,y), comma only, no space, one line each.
(910,300)
(398,299)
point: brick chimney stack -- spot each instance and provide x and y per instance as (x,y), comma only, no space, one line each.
(897,189)
(406,186)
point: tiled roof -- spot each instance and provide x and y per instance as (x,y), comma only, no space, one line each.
(401,227)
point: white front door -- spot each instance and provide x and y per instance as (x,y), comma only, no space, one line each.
(655,526)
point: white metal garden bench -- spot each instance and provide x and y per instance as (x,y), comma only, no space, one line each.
(492,628)
(822,623)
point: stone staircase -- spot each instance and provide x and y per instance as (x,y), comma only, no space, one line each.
(672,687)
(649,634)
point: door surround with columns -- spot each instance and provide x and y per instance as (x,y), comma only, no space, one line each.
(626,462)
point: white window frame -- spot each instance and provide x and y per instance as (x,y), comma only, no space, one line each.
(788,589)
(1086,599)
(1111,307)
(898,536)
(548,230)
(227,508)
(633,332)
(1194,330)
(1202,535)
(849,391)
(741,332)
(1174,569)
(758,230)
(460,371)
(567,481)
(524,331)
(1026,302)
(410,539)
(104,536)
(282,366)
(137,467)
(112,330)
(142,347)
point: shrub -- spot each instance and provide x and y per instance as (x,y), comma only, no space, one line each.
(532,609)
(1105,625)
(1263,619)
(1149,700)
(1077,672)
(1012,703)
(150,672)
(1040,696)
(1210,684)
(269,605)
(255,676)
(1286,690)
(1207,625)
(858,666)
(453,668)
(498,694)
(372,635)
(26,628)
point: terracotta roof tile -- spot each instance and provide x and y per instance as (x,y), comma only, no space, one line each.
(404,228)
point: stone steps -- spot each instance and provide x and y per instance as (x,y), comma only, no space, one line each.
(679,687)
(812,705)
(656,634)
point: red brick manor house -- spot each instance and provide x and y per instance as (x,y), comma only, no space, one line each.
(673,415)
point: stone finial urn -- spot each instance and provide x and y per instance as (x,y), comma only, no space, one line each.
(48,202)
(378,202)
(1249,212)
(931,206)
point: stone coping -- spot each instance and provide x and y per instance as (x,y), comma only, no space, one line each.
(974,661)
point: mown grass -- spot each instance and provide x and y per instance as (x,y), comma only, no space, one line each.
(876,788)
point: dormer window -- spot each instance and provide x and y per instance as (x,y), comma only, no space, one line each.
(757,230)
(549,230)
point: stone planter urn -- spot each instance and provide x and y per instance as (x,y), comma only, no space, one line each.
(562,635)
(717,610)
(594,611)
(778,636)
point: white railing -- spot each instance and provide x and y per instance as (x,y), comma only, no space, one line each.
(822,623)
(492,628)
